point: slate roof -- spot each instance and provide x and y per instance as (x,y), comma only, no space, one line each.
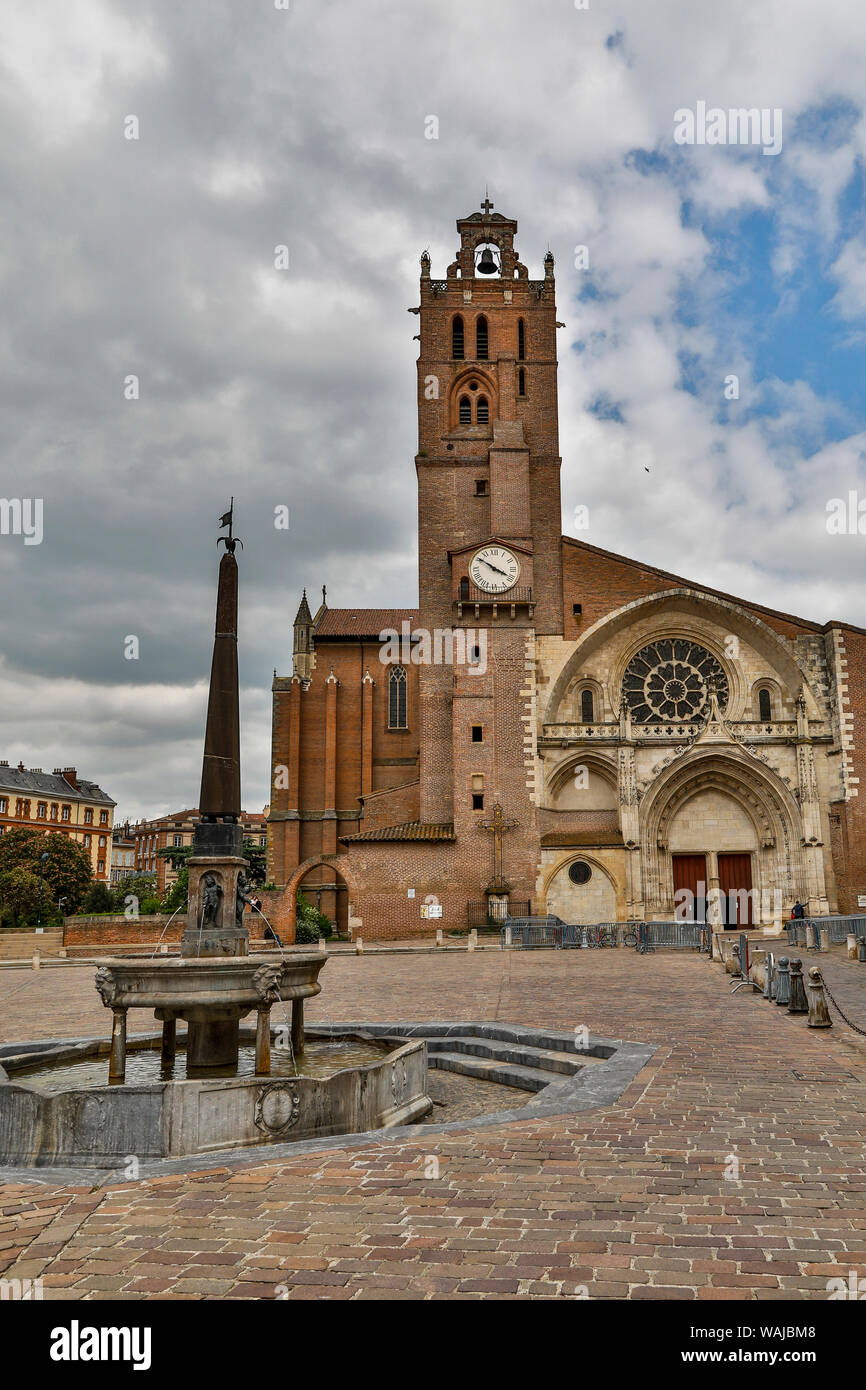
(51,784)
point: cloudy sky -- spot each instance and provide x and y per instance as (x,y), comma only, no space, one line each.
(307,126)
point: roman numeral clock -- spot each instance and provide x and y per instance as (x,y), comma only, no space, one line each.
(494,569)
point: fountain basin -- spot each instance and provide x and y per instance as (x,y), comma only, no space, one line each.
(211,994)
(104,1126)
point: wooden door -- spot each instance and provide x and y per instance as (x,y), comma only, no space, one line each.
(735,877)
(690,871)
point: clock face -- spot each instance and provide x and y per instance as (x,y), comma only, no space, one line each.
(494,569)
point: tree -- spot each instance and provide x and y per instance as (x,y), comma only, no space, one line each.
(25,899)
(179,890)
(67,869)
(257,857)
(138,886)
(99,899)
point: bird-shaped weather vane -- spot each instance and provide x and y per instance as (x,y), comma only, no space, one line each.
(229,541)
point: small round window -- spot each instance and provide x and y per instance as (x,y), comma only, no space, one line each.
(579,871)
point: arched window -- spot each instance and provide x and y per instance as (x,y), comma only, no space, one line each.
(521,382)
(457,343)
(397,698)
(765,704)
(483,411)
(465,411)
(481,342)
(521,341)
(587,707)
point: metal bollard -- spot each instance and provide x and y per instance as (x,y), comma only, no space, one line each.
(768,978)
(819,1014)
(798,1003)
(783,982)
(861,948)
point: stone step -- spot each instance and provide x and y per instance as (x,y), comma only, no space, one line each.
(491,1069)
(16,945)
(517,1054)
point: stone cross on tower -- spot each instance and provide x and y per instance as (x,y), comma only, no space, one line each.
(487,206)
(497,823)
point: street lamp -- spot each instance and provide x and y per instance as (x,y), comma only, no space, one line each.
(45,858)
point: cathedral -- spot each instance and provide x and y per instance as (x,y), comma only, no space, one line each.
(556,728)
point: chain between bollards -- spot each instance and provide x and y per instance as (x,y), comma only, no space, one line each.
(841,1012)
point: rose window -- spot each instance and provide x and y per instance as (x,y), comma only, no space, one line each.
(672,679)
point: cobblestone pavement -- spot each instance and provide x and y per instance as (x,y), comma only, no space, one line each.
(631,1201)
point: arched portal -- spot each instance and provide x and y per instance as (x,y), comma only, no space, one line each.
(720,818)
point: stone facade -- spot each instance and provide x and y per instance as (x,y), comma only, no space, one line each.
(640,733)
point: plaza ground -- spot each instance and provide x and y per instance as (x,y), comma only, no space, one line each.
(630,1201)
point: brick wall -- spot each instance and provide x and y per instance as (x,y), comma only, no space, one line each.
(97,932)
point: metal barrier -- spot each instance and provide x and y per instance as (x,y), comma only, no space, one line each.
(529,932)
(839,928)
(526,933)
(685,935)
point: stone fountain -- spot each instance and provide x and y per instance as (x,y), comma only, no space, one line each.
(366,1083)
(215,983)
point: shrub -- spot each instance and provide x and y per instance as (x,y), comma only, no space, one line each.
(306,934)
(148,907)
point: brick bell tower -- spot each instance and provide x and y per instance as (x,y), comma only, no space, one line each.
(490,528)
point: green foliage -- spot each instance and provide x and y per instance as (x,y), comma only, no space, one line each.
(257,857)
(312,920)
(178,892)
(149,907)
(67,869)
(135,886)
(25,900)
(177,855)
(98,899)
(305,933)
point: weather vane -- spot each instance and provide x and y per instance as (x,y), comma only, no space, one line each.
(229,541)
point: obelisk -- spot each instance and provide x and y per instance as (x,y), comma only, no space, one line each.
(214,925)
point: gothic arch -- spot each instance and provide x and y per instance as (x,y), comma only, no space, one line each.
(725,616)
(460,387)
(604,765)
(561,866)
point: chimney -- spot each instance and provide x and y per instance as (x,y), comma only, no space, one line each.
(71,776)
(20,767)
